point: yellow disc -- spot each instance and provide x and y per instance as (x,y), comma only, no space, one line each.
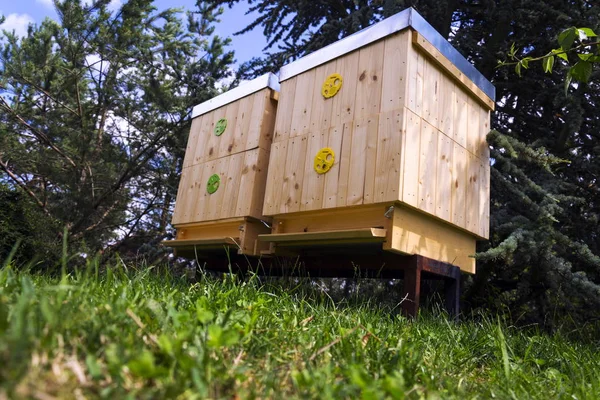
(324,160)
(332,85)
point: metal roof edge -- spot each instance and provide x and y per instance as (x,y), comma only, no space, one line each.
(397,22)
(268,80)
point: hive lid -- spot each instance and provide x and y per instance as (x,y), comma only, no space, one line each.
(408,18)
(265,81)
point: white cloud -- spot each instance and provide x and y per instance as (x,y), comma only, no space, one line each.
(18,23)
(47,3)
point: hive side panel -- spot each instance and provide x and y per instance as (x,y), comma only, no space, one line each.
(200,197)
(447,103)
(330,189)
(473,183)
(277,161)
(461,117)
(388,165)
(428,164)
(370,78)
(344,101)
(313,184)
(320,114)
(444,177)
(432,78)
(215,200)
(183,192)
(372,130)
(410,161)
(473,128)
(193,139)
(484,200)
(395,71)
(416,70)
(238,141)
(285,109)
(231,185)
(459,186)
(301,121)
(207,138)
(345,163)
(291,187)
(225,142)
(251,189)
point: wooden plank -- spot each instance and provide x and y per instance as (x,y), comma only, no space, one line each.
(324,236)
(201,242)
(242,125)
(370,79)
(461,117)
(182,194)
(277,162)
(230,186)
(473,128)
(371,159)
(412,232)
(395,71)
(192,142)
(301,121)
(227,140)
(320,115)
(410,169)
(291,192)
(444,180)
(484,122)
(459,186)
(473,182)
(199,199)
(215,200)
(484,199)
(447,102)
(428,164)
(343,102)
(357,164)
(357,217)
(330,189)
(345,163)
(313,183)
(285,108)
(249,238)
(431,85)
(260,166)
(416,67)
(435,55)
(388,163)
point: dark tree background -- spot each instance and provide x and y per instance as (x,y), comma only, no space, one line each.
(94,117)
(541,262)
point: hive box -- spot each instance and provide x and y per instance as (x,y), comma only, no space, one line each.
(405,140)
(220,197)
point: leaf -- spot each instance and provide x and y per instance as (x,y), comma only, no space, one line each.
(518,69)
(588,32)
(568,80)
(582,71)
(548,63)
(143,366)
(560,53)
(567,38)
(525,62)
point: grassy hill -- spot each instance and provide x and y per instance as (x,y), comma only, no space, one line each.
(146,334)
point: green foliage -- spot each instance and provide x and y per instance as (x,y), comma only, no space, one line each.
(94,117)
(146,334)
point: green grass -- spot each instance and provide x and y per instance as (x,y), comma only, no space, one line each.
(145,334)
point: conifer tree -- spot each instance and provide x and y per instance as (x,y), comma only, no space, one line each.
(94,116)
(541,260)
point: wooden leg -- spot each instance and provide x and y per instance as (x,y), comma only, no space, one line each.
(411,287)
(452,289)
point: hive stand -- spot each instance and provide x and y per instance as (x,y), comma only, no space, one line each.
(364,261)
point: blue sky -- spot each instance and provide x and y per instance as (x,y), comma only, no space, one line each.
(19,13)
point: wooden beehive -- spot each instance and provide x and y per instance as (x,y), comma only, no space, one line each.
(407,130)
(221,190)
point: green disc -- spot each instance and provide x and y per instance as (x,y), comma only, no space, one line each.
(220,126)
(213,184)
